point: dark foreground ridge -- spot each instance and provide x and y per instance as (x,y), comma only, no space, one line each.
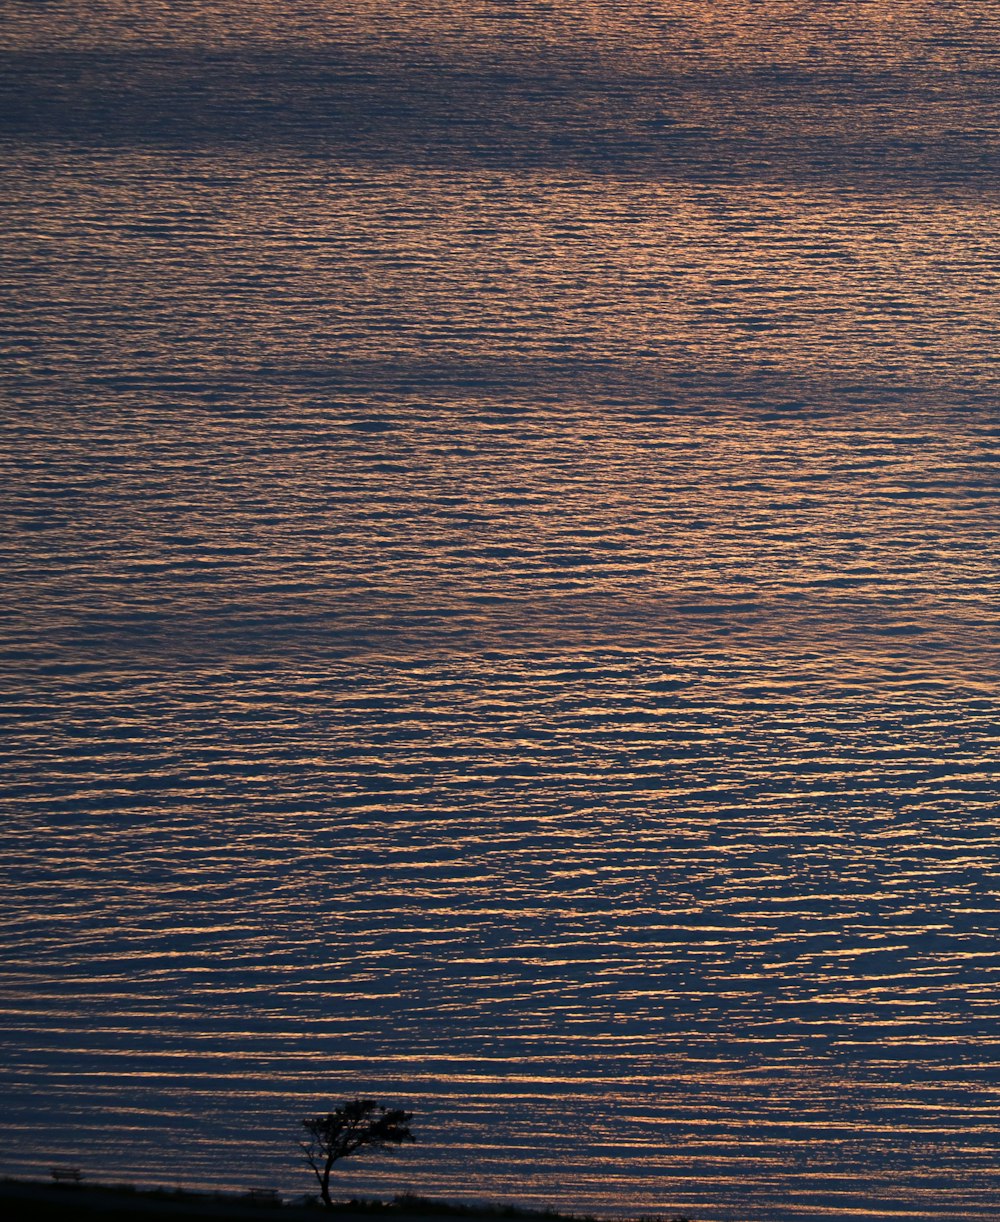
(29,1201)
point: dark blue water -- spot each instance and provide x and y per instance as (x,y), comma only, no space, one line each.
(499,525)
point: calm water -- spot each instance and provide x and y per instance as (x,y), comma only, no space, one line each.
(500,519)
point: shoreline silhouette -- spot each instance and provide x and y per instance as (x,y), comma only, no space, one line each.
(70,1195)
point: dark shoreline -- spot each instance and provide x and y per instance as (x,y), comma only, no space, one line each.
(37,1201)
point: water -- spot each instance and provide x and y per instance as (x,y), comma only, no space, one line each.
(500,587)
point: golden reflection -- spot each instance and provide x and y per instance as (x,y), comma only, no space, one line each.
(500,593)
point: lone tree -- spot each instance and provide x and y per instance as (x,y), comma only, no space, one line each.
(354,1124)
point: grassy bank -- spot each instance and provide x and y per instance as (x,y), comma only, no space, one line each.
(29,1201)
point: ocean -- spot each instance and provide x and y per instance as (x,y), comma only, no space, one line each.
(499,610)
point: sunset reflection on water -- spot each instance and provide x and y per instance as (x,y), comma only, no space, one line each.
(500,587)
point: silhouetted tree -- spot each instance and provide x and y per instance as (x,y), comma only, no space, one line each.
(354,1124)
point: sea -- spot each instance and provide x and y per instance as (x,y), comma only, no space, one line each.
(499,516)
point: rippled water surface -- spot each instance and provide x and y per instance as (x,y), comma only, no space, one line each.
(499,531)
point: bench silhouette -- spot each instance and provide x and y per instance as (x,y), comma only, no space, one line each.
(66,1175)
